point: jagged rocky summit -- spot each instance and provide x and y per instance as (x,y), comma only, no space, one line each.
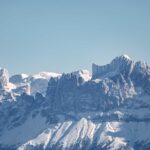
(108,110)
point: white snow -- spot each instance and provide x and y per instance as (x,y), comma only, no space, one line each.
(91,126)
(126,56)
(69,133)
(84,74)
(45,75)
(23,75)
(31,128)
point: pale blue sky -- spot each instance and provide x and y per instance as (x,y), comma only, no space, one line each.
(67,35)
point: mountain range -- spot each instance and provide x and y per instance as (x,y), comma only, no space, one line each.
(108,110)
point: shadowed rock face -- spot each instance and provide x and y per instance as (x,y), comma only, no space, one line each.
(108,111)
(109,87)
(120,65)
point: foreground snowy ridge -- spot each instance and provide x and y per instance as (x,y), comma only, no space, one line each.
(109,110)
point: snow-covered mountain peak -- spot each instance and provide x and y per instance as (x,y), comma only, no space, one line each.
(45,75)
(120,65)
(23,75)
(84,74)
(32,83)
(124,56)
(19,78)
(3,71)
(121,60)
(4,77)
(110,111)
(142,66)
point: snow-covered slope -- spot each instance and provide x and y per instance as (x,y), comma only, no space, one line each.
(32,84)
(84,134)
(74,111)
(39,82)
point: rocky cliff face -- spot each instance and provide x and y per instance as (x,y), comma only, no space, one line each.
(108,110)
(110,87)
(4,78)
